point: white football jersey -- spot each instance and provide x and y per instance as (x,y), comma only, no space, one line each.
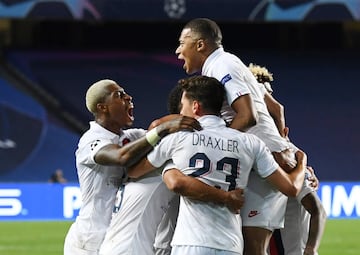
(139,208)
(98,184)
(238,80)
(221,157)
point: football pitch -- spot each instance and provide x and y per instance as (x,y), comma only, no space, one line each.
(46,238)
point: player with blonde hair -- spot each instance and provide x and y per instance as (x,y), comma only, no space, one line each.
(102,158)
(244,109)
(305,216)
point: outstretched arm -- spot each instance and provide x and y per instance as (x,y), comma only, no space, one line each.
(132,152)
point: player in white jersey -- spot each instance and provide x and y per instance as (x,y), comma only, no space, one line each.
(139,207)
(305,216)
(101,158)
(219,156)
(245,110)
(166,228)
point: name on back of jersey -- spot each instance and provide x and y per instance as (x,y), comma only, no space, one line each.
(215,142)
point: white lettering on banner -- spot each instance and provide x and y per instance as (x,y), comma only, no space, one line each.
(72,201)
(9,204)
(326,195)
(336,200)
(348,203)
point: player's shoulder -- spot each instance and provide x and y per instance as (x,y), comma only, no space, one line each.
(134,132)
(96,134)
(250,139)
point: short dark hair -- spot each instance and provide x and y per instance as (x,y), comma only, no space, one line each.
(207,90)
(174,99)
(206,29)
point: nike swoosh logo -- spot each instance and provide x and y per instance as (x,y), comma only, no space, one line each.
(253,213)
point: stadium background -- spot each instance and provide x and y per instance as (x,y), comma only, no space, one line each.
(51,51)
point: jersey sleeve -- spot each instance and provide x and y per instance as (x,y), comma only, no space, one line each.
(162,151)
(306,188)
(265,163)
(93,147)
(168,165)
(234,82)
(229,72)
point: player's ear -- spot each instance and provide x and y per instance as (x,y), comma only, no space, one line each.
(101,107)
(200,44)
(196,107)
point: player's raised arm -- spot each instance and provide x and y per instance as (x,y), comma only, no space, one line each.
(134,151)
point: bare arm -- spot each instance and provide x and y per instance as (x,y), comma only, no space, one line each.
(192,188)
(290,184)
(313,205)
(157,122)
(132,152)
(276,111)
(246,115)
(142,167)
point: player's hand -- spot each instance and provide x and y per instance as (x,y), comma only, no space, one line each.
(163,119)
(235,200)
(301,158)
(285,133)
(286,159)
(309,251)
(314,181)
(177,123)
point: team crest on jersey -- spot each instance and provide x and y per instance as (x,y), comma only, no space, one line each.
(94,144)
(125,141)
(225,79)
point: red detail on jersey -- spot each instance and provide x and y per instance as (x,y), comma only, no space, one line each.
(125,141)
(253,213)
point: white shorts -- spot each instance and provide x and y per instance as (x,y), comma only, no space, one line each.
(199,250)
(264,206)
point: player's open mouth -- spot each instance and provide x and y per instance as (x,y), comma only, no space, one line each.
(131,112)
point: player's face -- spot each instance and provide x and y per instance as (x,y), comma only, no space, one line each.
(186,107)
(188,51)
(120,107)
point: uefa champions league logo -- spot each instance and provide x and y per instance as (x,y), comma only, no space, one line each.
(175,8)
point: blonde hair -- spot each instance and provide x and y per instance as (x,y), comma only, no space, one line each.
(96,93)
(261,73)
